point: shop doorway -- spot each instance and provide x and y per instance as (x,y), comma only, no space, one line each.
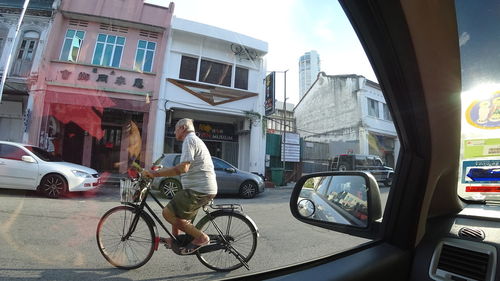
(106,151)
(73,143)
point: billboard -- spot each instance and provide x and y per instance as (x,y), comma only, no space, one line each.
(270,91)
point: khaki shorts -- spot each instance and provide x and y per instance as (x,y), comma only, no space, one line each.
(187,202)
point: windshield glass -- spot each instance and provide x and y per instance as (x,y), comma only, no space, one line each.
(480,143)
(275,89)
(43,154)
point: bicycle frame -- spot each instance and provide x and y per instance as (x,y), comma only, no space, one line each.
(145,192)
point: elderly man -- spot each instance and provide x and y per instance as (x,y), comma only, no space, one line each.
(198,182)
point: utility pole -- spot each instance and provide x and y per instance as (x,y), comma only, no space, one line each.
(12,46)
(284,126)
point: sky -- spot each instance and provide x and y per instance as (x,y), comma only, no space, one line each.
(291,28)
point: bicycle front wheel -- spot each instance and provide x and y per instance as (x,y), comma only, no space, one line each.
(239,242)
(118,248)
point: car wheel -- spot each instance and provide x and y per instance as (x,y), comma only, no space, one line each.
(53,186)
(388,182)
(169,188)
(248,190)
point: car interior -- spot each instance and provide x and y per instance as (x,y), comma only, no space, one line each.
(428,232)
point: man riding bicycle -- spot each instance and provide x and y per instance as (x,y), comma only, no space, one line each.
(198,182)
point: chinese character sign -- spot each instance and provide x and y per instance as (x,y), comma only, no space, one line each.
(270,90)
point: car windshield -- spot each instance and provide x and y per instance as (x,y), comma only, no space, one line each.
(43,154)
(276,90)
(480,140)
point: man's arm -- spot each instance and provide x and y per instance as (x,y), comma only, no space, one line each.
(178,169)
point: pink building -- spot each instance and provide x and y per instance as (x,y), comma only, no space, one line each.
(97,86)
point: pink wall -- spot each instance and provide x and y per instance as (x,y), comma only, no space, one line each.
(133,14)
(129,10)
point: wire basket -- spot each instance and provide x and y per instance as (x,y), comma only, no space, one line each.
(129,191)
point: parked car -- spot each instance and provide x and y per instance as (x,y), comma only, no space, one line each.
(230,180)
(28,167)
(367,163)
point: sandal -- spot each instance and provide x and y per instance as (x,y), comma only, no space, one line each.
(167,242)
(191,248)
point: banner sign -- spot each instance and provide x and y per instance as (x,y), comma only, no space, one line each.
(270,92)
(209,131)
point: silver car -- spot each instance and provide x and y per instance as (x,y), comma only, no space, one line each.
(230,180)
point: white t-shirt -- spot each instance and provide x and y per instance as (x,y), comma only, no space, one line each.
(201,174)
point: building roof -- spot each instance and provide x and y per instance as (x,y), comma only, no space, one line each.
(289,106)
(368,81)
(219,33)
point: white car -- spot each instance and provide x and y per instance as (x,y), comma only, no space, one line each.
(24,166)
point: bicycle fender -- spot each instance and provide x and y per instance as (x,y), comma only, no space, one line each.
(234,212)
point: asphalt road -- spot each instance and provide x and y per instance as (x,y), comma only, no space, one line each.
(47,239)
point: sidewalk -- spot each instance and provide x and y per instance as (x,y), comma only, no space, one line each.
(289,185)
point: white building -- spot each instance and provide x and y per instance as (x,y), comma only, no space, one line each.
(350,114)
(282,119)
(27,49)
(215,77)
(309,67)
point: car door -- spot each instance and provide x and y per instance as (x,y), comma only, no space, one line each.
(227,177)
(14,172)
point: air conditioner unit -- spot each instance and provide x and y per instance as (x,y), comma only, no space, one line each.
(243,127)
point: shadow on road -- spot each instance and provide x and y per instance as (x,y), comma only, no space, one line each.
(81,274)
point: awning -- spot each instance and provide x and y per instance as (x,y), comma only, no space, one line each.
(86,110)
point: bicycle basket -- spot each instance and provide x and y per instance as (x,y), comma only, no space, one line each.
(129,191)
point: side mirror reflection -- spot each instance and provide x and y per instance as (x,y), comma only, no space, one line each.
(306,208)
(346,198)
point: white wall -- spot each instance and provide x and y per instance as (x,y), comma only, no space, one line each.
(207,42)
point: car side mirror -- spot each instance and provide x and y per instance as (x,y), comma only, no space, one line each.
(28,159)
(347,201)
(230,170)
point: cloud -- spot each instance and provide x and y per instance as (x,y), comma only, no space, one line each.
(464,38)
(291,28)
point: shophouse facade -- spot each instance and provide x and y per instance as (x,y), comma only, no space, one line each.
(98,83)
(349,113)
(215,77)
(26,51)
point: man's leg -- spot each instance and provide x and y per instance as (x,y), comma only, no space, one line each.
(186,226)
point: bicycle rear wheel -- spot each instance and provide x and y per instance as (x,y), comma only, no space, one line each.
(125,252)
(240,234)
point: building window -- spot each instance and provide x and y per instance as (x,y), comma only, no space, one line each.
(387,113)
(3,36)
(373,108)
(72,44)
(241,78)
(21,66)
(189,67)
(108,50)
(28,46)
(215,73)
(144,56)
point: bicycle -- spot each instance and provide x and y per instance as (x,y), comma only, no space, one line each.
(127,235)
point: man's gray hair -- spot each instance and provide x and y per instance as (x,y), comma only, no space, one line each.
(187,123)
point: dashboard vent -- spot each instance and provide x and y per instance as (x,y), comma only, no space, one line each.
(471,233)
(464,262)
